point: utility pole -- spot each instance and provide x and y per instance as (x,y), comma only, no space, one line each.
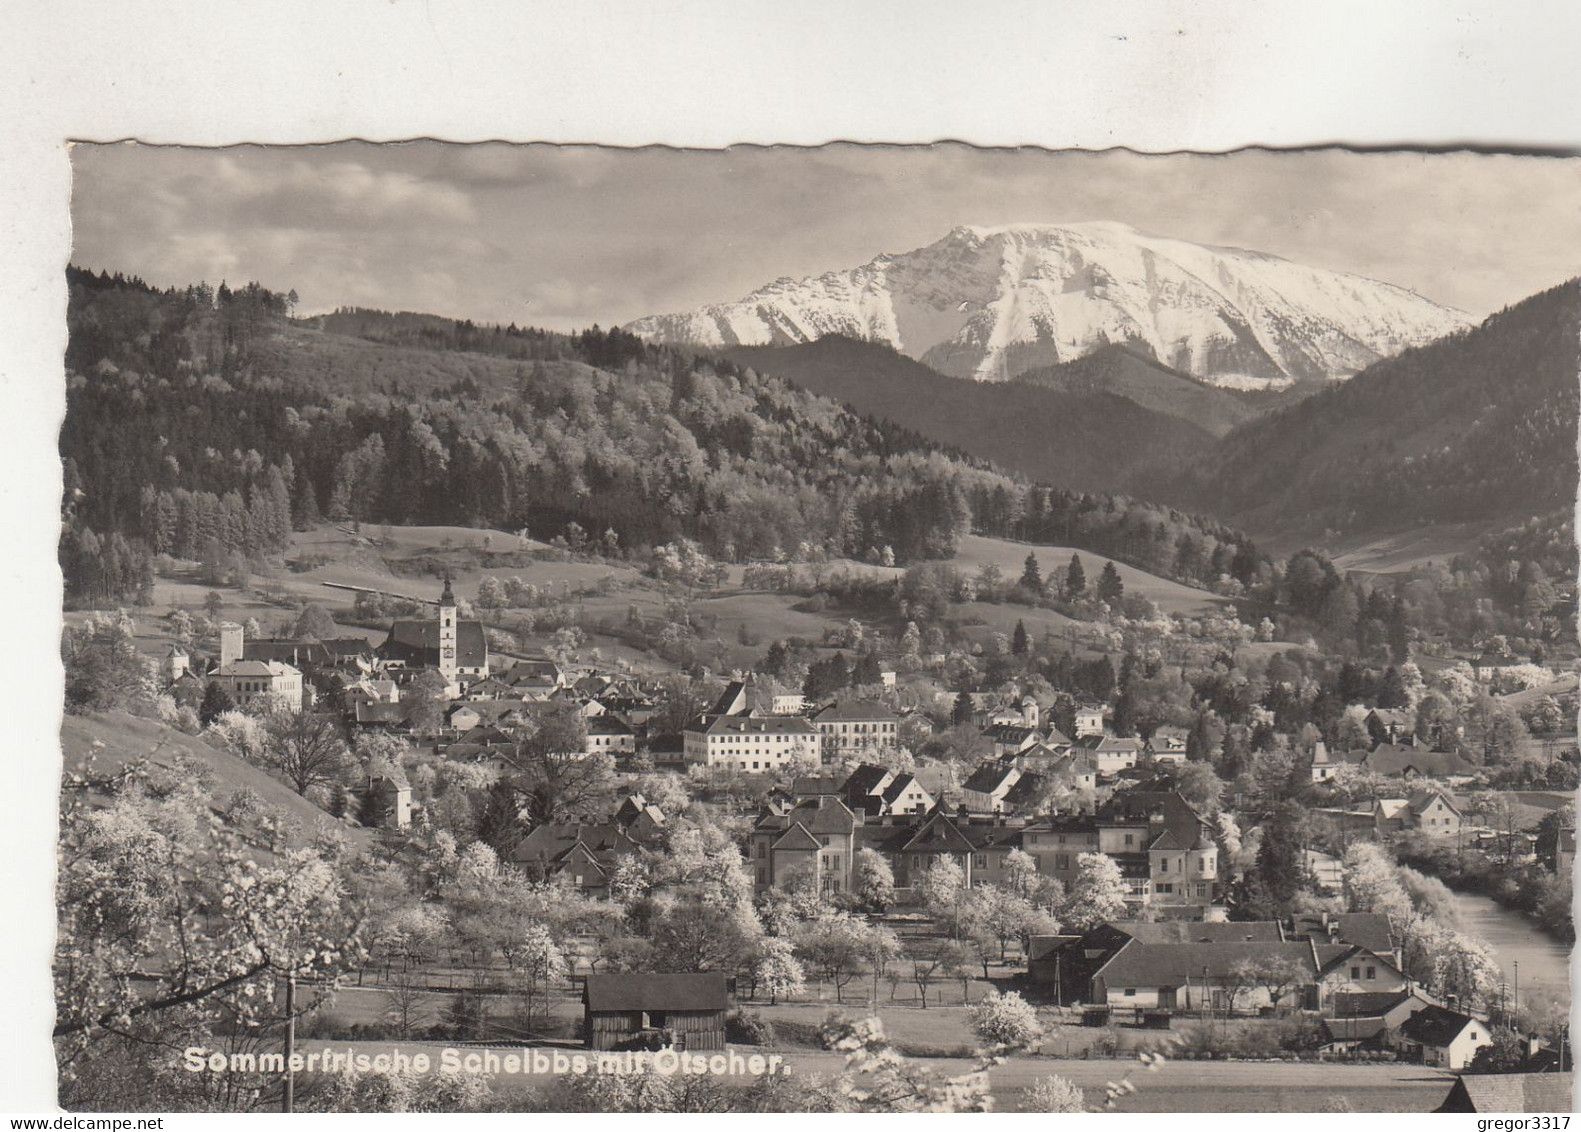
(1515,1006)
(288,1096)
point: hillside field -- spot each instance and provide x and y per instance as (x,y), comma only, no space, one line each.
(102,743)
(1171,597)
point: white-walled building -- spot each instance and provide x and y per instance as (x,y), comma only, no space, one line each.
(744,742)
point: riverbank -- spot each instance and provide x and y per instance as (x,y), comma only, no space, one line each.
(1529,890)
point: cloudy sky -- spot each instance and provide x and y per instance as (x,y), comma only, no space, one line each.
(564,237)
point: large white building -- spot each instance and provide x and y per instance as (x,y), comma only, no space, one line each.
(751,743)
(264,683)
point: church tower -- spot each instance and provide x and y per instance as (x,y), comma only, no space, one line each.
(447,632)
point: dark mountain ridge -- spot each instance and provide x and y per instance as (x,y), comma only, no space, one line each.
(1479,425)
(1066,427)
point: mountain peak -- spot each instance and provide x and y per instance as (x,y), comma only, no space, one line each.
(991,301)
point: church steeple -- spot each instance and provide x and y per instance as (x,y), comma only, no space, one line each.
(448,660)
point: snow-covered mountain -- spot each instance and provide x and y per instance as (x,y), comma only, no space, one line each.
(990,303)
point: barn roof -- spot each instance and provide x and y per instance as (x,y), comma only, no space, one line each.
(1188,931)
(1511,1092)
(1173,964)
(687,993)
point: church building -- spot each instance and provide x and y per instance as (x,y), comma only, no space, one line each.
(458,649)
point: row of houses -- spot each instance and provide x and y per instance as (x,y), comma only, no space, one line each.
(1164,849)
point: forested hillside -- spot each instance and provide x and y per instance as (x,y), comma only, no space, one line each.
(1082,434)
(206,424)
(1152,385)
(1480,425)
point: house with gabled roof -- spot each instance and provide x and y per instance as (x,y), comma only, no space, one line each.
(610,735)
(1393,725)
(863,789)
(1110,754)
(585,854)
(1056,844)
(1157,839)
(916,848)
(1434,813)
(1167,744)
(1204,976)
(1048,757)
(906,795)
(1089,720)
(1067,968)
(1389,760)
(650,1010)
(1367,1018)
(1010,739)
(1370,930)
(1026,795)
(815,837)
(1346,968)
(1442,1037)
(985,788)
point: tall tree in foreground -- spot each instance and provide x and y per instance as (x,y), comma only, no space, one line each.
(306,749)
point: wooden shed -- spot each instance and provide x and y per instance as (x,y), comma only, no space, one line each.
(641,1009)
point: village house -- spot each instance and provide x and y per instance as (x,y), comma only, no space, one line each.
(1406,762)
(1066,964)
(1349,969)
(984,790)
(1164,848)
(1168,745)
(1392,725)
(1110,754)
(1370,930)
(815,838)
(251,683)
(1057,843)
(1366,1019)
(875,791)
(610,735)
(1089,720)
(586,855)
(1011,739)
(1428,811)
(386,801)
(1442,1037)
(644,1009)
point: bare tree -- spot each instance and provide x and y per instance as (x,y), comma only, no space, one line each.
(554,771)
(308,749)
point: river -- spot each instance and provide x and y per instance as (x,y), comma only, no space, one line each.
(1544,961)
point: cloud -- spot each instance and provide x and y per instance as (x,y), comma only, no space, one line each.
(566,236)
